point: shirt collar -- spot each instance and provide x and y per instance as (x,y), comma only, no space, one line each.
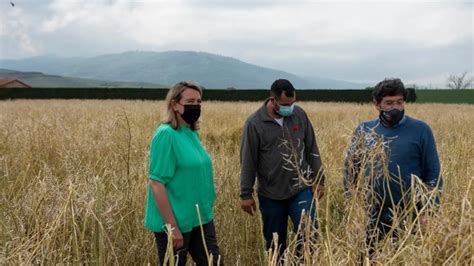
(400,123)
(263,112)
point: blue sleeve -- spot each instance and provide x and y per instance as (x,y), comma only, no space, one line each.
(431,169)
(352,161)
(430,161)
(162,157)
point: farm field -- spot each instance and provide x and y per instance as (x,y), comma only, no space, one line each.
(73,178)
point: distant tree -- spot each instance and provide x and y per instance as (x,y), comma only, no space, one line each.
(459,82)
(412,86)
(231,89)
(369,88)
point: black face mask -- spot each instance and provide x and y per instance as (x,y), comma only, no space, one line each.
(392,117)
(191,114)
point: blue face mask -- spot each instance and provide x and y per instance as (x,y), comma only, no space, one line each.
(286,110)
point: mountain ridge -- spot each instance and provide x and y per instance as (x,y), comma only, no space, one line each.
(207,69)
(39,80)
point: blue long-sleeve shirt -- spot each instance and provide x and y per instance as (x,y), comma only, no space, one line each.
(408,149)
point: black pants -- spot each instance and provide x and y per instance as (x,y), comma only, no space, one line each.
(381,225)
(193,243)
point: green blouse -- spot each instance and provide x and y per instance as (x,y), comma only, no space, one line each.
(179,161)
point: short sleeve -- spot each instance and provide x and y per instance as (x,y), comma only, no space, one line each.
(162,156)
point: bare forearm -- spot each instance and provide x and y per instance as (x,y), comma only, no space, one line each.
(162,202)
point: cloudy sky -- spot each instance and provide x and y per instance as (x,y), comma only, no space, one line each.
(421,42)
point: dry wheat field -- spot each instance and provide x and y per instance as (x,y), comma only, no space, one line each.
(73,176)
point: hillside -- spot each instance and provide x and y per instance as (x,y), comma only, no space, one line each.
(209,70)
(38,79)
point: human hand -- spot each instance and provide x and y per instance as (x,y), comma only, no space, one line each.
(318,191)
(177,237)
(248,205)
(423,221)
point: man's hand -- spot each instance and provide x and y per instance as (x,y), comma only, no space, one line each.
(423,221)
(248,205)
(318,191)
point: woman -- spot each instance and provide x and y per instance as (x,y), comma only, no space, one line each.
(181,186)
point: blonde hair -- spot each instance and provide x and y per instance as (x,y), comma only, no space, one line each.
(175,94)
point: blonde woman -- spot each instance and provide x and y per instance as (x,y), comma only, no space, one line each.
(181,186)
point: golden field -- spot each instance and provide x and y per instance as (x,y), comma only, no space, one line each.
(73,178)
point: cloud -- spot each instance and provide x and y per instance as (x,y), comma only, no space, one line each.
(15,33)
(297,36)
(169,22)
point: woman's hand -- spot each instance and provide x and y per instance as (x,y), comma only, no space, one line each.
(177,237)
(163,204)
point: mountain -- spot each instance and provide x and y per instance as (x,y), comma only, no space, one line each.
(325,83)
(38,79)
(209,70)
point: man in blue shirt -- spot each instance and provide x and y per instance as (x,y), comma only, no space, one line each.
(398,157)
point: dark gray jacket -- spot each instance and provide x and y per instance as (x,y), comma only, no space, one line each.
(285,160)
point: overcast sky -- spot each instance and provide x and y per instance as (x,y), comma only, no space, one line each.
(421,42)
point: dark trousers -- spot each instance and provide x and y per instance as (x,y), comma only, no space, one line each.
(193,243)
(381,225)
(275,215)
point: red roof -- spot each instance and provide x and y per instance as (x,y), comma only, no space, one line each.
(4,82)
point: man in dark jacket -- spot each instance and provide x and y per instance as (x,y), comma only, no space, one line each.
(279,150)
